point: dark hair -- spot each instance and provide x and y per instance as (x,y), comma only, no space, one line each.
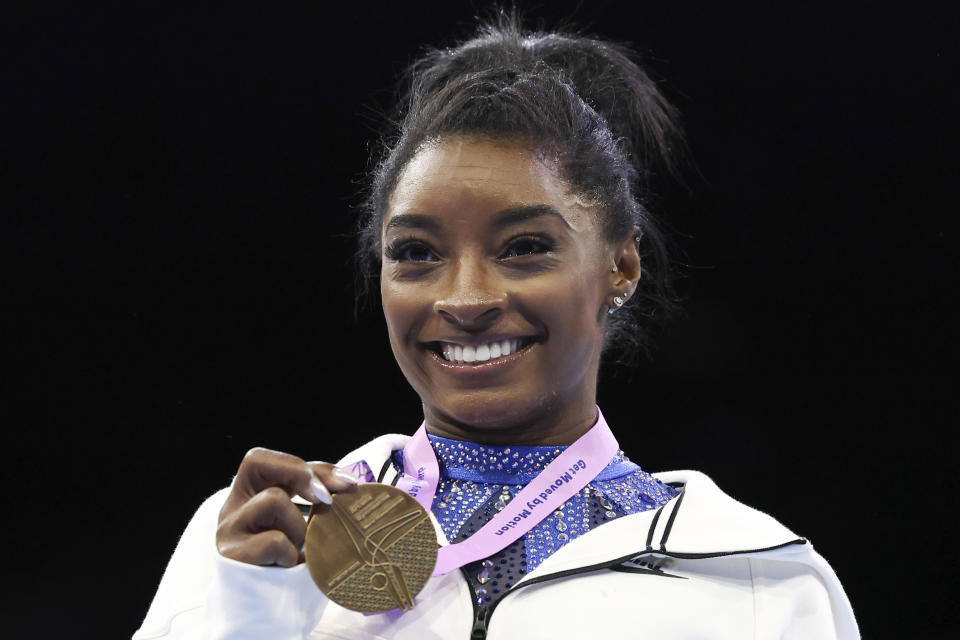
(578,99)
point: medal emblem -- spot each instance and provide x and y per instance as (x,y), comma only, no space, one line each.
(372,550)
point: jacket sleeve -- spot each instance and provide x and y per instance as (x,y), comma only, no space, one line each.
(800,600)
(204,596)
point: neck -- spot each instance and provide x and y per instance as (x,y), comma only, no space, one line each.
(556,426)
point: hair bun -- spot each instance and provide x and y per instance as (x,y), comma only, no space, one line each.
(606,77)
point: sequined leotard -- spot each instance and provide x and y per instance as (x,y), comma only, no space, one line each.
(476,481)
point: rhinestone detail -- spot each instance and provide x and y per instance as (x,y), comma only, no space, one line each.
(465,501)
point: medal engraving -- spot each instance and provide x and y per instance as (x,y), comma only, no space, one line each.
(372,550)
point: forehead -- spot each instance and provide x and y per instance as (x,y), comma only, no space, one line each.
(463,178)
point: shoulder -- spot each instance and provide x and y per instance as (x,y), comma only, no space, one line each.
(705,518)
(789,578)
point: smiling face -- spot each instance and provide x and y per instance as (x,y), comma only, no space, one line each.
(495,284)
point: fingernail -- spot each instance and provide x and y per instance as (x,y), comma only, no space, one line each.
(320,491)
(346,476)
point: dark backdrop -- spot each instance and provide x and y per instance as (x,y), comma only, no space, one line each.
(179,183)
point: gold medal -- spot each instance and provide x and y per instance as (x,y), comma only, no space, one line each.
(372,550)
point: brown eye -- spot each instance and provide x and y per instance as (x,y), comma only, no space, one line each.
(417,253)
(526,246)
(411,252)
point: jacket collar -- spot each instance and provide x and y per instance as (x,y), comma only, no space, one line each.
(702,521)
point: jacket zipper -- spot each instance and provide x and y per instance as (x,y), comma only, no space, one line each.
(481,618)
(482,614)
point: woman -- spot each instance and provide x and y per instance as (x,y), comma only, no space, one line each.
(513,250)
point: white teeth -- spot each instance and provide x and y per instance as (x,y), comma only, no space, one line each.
(481,353)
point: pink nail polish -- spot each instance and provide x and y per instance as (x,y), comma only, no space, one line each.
(320,491)
(346,476)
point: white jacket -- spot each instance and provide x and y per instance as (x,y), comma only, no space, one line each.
(701,566)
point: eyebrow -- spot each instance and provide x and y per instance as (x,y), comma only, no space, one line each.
(505,218)
(412,221)
(516,215)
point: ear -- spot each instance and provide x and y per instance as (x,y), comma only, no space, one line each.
(626,258)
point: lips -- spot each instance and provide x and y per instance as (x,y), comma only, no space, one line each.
(478,353)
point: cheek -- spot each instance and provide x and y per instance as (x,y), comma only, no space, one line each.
(401,312)
(569,308)
(393,312)
(582,320)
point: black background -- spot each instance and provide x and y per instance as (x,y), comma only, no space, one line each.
(179,186)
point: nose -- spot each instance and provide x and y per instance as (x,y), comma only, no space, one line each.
(471,299)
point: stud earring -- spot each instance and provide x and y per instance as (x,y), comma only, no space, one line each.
(617,303)
(613,269)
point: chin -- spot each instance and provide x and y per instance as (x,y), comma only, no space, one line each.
(491,411)
(480,411)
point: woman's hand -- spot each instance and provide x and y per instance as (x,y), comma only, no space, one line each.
(258,523)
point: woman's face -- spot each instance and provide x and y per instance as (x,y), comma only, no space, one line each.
(495,285)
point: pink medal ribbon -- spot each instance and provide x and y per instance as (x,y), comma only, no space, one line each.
(567,474)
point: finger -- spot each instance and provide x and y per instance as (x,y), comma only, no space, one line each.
(333,478)
(271,509)
(263,468)
(265,548)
